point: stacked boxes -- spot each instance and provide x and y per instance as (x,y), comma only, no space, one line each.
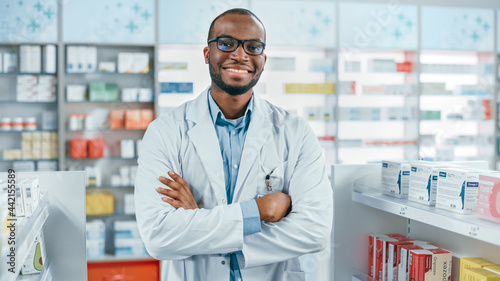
(130,119)
(30,57)
(96,231)
(9,62)
(128,242)
(99,203)
(430,265)
(423,182)
(36,88)
(39,145)
(457,190)
(81,59)
(133,62)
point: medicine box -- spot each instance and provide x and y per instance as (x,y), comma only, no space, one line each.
(429,265)
(96,229)
(488,199)
(480,274)
(141,63)
(126,62)
(9,62)
(404,258)
(494,268)
(32,194)
(36,256)
(49,58)
(130,247)
(372,249)
(472,262)
(423,182)
(457,190)
(392,259)
(127,149)
(126,229)
(95,248)
(395,178)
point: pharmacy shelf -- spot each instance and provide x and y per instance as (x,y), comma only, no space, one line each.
(116,101)
(107,186)
(113,258)
(28,102)
(467,225)
(103,158)
(27,73)
(113,215)
(106,130)
(362,277)
(27,229)
(26,160)
(106,73)
(29,131)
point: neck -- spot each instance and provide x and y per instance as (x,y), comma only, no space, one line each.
(232,107)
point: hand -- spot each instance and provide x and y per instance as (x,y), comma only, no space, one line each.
(273,207)
(180,194)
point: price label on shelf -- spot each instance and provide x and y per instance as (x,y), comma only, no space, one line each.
(474,231)
(402,211)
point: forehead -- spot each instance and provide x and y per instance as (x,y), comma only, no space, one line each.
(242,27)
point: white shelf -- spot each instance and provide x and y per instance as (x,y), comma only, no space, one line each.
(27,229)
(467,225)
(112,258)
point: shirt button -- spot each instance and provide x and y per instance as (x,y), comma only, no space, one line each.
(224,201)
(235,166)
(223,262)
(234,133)
(239,279)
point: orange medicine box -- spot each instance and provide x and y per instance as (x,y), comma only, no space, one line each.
(116,119)
(429,265)
(96,148)
(78,148)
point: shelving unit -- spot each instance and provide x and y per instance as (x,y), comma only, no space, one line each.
(360,209)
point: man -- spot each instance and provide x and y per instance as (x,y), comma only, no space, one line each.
(247,190)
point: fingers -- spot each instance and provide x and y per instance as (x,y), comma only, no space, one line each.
(170,183)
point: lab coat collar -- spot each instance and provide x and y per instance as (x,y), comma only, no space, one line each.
(204,138)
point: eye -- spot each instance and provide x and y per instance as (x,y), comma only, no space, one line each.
(226,43)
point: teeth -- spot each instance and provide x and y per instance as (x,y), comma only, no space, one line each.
(237,70)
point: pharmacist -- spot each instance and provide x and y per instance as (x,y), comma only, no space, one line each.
(247,190)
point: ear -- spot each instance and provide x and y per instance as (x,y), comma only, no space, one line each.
(206,53)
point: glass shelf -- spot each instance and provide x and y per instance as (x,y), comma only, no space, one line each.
(28,102)
(113,258)
(28,131)
(27,73)
(26,160)
(107,130)
(103,158)
(116,101)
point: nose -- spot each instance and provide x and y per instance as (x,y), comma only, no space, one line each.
(239,54)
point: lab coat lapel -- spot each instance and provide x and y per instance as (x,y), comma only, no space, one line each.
(204,139)
(259,131)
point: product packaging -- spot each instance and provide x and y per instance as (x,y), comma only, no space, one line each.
(132,119)
(127,149)
(488,200)
(395,178)
(423,182)
(141,63)
(429,265)
(78,148)
(99,203)
(36,256)
(473,262)
(457,190)
(126,62)
(49,58)
(96,148)
(117,119)
(392,260)
(479,274)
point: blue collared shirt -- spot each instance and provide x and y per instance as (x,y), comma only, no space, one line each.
(231,135)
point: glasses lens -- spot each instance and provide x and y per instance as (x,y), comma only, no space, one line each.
(227,44)
(254,47)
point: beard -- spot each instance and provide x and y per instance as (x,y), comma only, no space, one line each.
(231,90)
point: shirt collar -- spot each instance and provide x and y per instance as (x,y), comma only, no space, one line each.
(216,113)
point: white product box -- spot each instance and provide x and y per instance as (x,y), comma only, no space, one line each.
(107,66)
(430,265)
(125,62)
(457,190)
(20,198)
(31,191)
(127,149)
(9,62)
(423,182)
(129,205)
(129,247)
(81,59)
(24,58)
(130,94)
(145,94)
(75,92)
(49,58)
(116,180)
(141,63)
(36,257)
(36,59)
(95,248)
(126,229)
(96,230)
(71,59)
(395,178)
(49,120)
(91,60)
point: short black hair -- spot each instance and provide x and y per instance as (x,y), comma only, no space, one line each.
(235,11)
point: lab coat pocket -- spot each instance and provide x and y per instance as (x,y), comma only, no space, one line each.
(271,178)
(294,276)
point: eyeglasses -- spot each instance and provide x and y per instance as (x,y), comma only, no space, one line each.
(230,44)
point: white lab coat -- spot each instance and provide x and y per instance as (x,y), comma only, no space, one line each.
(190,242)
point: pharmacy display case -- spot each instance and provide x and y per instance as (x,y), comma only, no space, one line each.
(39,235)
(378,105)
(360,209)
(457,106)
(28,106)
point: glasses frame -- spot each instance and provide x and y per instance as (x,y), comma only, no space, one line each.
(240,42)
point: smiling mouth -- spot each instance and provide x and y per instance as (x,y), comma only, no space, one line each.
(237,70)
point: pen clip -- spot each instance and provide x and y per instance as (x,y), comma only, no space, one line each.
(268,182)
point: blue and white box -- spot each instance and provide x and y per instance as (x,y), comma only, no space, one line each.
(395,178)
(457,190)
(423,182)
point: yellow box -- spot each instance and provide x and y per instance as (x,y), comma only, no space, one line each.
(474,262)
(494,268)
(311,88)
(99,203)
(479,274)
